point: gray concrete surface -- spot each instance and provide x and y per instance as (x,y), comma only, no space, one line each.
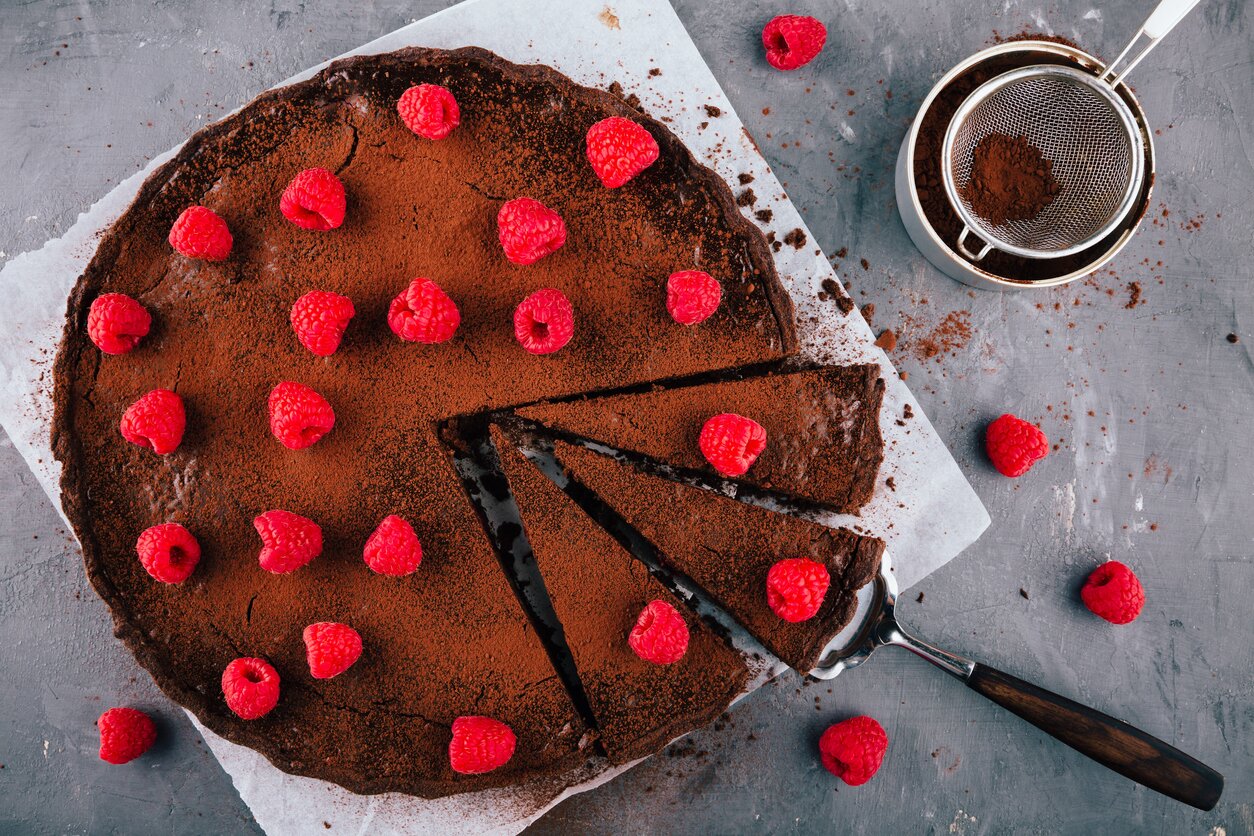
(1151,406)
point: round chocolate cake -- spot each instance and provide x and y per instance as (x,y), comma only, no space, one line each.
(449,639)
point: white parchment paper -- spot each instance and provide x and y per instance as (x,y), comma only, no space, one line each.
(931,516)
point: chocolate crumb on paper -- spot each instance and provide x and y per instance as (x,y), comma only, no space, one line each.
(796,237)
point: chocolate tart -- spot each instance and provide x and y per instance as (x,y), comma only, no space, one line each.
(598,589)
(726,547)
(450,639)
(822,429)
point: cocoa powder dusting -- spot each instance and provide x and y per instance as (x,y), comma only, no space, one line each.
(1134,295)
(953,333)
(1011,180)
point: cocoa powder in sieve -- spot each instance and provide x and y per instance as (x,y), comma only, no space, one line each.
(1011,180)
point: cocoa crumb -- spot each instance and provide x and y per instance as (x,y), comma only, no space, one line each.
(891,482)
(1233,338)
(1134,295)
(746,198)
(907,411)
(842,252)
(1023,593)
(887,340)
(833,291)
(866,265)
(920,600)
(713,111)
(868,312)
(797,238)
(655,72)
(764,215)
(776,246)
(745,178)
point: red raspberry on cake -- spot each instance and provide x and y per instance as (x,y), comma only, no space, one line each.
(155,421)
(544,321)
(1014,445)
(480,744)
(168,552)
(619,149)
(393,549)
(1114,592)
(660,634)
(853,749)
(320,319)
(299,416)
(793,41)
(315,199)
(732,443)
(424,313)
(200,233)
(529,230)
(125,734)
(692,296)
(288,541)
(251,687)
(429,110)
(796,587)
(116,323)
(331,648)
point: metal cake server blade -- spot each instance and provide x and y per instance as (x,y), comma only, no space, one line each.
(1112,743)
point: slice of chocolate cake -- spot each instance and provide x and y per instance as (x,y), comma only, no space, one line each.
(598,591)
(726,548)
(823,441)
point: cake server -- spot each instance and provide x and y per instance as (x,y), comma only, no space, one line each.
(1112,743)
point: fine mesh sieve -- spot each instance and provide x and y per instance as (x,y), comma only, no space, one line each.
(1084,131)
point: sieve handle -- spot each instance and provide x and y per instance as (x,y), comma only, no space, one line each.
(1161,21)
(962,247)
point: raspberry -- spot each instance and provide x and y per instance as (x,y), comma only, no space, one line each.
(660,635)
(331,648)
(125,734)
(1014,445)
(288,541)
(429,110)
(155,421)
(200,233)
(116,323)
(544,321)
(793,41)
(795,588)
(314,199)
(320,318)
(299,416)
(853,749)
(619,149)
(732,443)
(169,552)
(480,744)
(529,230)
(1113,592)
(423,313)
(251,687)
(393,548)
(692,296)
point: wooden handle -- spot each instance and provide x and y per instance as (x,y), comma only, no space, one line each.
(1112,743)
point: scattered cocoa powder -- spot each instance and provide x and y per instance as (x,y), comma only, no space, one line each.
(953,333)
(1011,180)
(1134,295)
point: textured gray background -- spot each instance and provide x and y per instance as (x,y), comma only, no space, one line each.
(1151,406)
